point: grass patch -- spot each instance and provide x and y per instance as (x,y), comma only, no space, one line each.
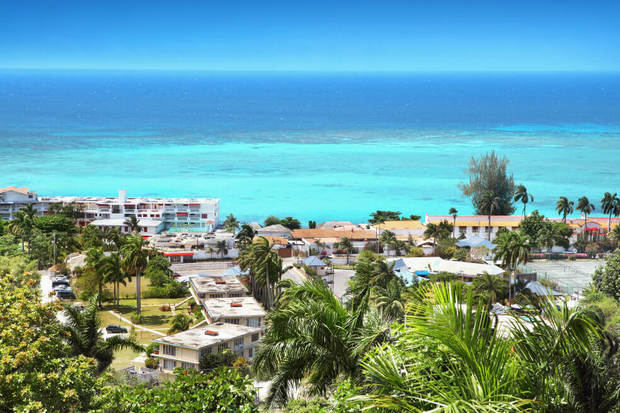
(123,358)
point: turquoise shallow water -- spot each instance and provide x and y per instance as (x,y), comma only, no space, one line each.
(331,148)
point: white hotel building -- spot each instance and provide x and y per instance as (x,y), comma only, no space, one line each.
(154,214)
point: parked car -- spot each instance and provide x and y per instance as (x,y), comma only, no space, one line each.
(65,294)
(115,329)
(176,275)
(59,283)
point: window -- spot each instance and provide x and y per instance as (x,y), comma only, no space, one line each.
(231,321)
(233,295)
(188,366)
(216,295)
(253,322)
(221,347)
(239,341)
(205,215)
(169,350)
(475,229)
(255,337)
(169,364)
(206,350)
(462,229)
(250,352)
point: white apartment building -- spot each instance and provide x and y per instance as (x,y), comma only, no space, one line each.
(156,214)
(185,349)
(13,199)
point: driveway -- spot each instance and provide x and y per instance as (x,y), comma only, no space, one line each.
(46,287)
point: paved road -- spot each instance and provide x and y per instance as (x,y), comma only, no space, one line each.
(341,280)
(293,274)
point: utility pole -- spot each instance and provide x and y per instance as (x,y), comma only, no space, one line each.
(54,236)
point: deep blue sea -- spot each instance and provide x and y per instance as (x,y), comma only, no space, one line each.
(315,146)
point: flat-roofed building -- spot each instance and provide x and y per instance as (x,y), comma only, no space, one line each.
(148,227)
(214,286)
(180,214)
(245,311)
(13,199)
(477,225)
(185,349)
(328,238)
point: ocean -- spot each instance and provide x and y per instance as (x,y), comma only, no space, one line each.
(315,146)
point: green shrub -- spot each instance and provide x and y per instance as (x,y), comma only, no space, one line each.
(224,358)
(415,252)
(136,318)
(461,254)
(151,363)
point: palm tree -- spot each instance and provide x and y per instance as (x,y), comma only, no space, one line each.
(245,235)
(432,231)
(615,233)
(324,343)
(522,195)
(29,211)
(94,261)
(264,265)
(489,203)
(382,273)
(83,329)
(564,207)
(512,248)
(112,237)
(586,208)
(610,204)
(345,245)
(180,322)
(133,224)
(221,248)
(20,226)
(112,272)
(320,246)
(135,259)
(390,301)
(453,212)
(388,239)
(490,286)
(231,223)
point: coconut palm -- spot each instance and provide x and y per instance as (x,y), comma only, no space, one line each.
(586,208)
(134,260)
(133,224)
(320,246)
(390,301)
(512,248)
(564,207)
(29,211)
(94,261)
(610,205)
(489,203)
(453,212)
(245,235)
(432,231)
(231,223)
(112,271)
(345,245)
(382,273)
(221,248)
(83,330)
(324,343)
(388,239)
(180,322)
(20,226)
(490,286)
(615,233)
(477,371)
(522,195)
(112,237)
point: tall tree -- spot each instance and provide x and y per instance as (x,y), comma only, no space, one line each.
(231,224)
(94,261)
(379,216)
(610,205)
(290,223)
(512,249)
(326,341)
(491,287)
(586,208)
(488,174)
(522,195)
(221,248)
(111,267)
(83,329)
(488,204)
(454,212)
(135,259)
(345,245)
(564,207)
(388,239)
(245,235)
(133,224)
(20,226)
(271,220)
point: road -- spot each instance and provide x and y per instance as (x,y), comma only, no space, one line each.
(341,281)
(293,274)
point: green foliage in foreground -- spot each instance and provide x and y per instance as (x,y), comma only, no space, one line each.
(607,279)
(223,390)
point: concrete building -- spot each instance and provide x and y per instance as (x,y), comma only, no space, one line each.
(477,225)
(176,214)
(276,230)
(403,229)
(213,286)
(148,227)
(13,199)
(185,349)
(328,238)
(245,311)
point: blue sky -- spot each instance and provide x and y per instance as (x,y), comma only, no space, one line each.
(431,35)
